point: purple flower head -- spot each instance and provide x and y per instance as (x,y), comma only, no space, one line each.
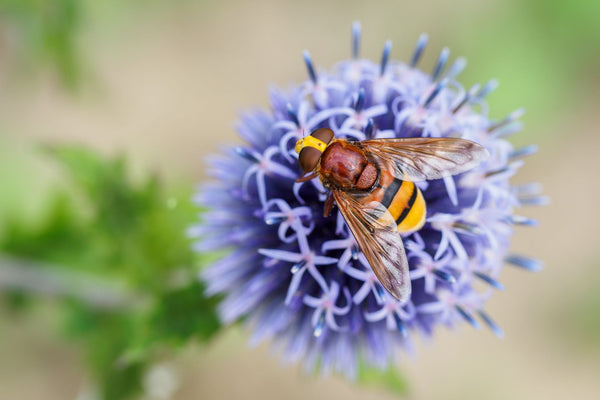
(298,278)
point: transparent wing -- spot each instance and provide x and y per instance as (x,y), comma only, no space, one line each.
(376,233)
(420,159)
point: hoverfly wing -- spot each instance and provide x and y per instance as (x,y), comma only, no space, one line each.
(420,159)
(376,233)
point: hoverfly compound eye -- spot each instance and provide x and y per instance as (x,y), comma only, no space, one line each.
(323,134)
(311,147)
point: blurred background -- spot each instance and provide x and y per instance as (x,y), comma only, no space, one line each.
(162,82)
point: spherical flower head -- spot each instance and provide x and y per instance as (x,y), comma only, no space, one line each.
(298,278)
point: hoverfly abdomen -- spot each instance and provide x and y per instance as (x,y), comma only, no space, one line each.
(403,199)
(408,208)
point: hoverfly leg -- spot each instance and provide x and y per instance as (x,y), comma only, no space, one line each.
(307,178)
(328,205)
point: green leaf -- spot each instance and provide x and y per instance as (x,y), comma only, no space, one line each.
(185,313)
(178,316)
(117,203)
(128,234)
(58,237)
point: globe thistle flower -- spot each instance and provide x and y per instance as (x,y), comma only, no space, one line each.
(297,278)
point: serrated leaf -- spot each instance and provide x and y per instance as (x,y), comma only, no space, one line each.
(57,237)
(179,315)
(116,203)
(185,313)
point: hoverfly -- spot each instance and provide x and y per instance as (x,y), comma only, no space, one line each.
(372,183)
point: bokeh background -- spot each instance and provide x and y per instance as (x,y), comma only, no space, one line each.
(162,82)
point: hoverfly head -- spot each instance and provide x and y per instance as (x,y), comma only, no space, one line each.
(310,148)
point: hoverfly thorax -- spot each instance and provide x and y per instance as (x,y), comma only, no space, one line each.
(344,165)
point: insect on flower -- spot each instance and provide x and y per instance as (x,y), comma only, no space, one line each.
(383,134)
(372,183)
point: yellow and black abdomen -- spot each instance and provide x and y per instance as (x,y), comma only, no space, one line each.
(405,202)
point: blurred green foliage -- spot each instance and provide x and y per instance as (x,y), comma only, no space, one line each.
(586,319)
(45,33)
(391,379)
(578,318)
(544,54)
(104,226)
